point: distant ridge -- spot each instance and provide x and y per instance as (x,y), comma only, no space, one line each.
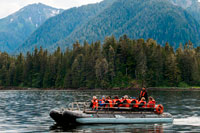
(59,27)
(18,26)
(157,19)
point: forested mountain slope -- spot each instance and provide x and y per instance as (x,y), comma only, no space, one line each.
(157,19)
(59,27)
(15,28)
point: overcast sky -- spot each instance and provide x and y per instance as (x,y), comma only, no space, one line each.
(10,6)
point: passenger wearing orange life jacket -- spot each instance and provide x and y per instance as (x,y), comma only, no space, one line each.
(134,102)
(144,94)
(142,103)
(151,103)
(94,103)
(121,102)
(102,101)
(116,101)
(108,102)
(126,102)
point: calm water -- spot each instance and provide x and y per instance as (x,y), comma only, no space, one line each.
(28,111)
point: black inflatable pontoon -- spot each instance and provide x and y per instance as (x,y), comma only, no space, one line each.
(117,115)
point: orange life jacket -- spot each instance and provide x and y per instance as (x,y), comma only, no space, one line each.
(151,104)
(95,103)
(116,102)
(109,103)
(127,103)
(101,102)
(143,104)
(135,103)
(121,103)
(142,93)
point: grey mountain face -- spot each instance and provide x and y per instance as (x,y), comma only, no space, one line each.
(15,28)
(192,6)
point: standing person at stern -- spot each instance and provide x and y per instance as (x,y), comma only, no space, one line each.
(143,93)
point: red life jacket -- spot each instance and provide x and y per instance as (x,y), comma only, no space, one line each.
(101,102)
(94,103)
(109,103)
(121,103)
(135,103)
(115,102)
(151,104)
(142,94)
(127,103)
(143,104)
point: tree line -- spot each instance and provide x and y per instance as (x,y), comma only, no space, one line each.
(115,63)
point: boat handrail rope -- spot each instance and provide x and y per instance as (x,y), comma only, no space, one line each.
(85,105)
(77,106)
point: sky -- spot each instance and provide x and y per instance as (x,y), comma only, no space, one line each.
(8,7)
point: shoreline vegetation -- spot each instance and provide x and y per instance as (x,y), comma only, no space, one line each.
(113,64)
(100,89)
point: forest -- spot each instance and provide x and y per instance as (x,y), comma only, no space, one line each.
(123,63)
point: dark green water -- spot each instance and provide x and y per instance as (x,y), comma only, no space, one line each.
(28,111)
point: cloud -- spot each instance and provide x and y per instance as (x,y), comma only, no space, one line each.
(10,6)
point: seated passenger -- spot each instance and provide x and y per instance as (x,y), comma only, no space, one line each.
(102,101)
(151,103)
(108,102)
(121,102)
(126,102)
(116,101)
(142,103)
(94,103)
(134,103)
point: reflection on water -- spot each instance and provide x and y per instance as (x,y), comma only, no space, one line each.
(28,111)
(113,128)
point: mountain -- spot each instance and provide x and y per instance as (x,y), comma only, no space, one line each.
(59,27)
(15,28)
(157,19)
(192,6)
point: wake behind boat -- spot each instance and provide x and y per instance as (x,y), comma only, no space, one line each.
(82,113)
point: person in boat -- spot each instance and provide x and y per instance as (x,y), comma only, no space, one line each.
(108,102)
(102,101)
(94,103)
(116,101)
(121,102)
(151,103)
(142,103)
(126,101)
(143,93)
(134,102)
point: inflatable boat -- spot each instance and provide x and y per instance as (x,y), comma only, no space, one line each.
(123,115)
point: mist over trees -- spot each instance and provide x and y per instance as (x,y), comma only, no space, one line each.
(115,63)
